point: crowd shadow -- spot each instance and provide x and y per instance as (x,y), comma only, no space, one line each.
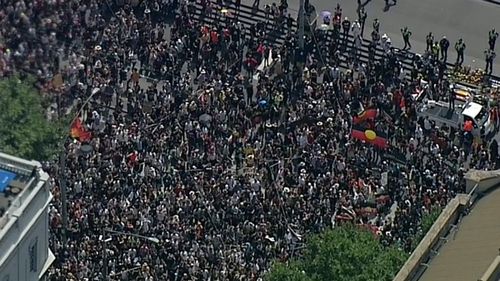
(363,4)
(389,5)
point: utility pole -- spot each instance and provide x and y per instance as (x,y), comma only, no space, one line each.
(62,187)
(302,14)
(104,241)
(104,254)
(62,172)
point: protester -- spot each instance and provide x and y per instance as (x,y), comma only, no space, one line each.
(228,148)
(362,15)
(406,37)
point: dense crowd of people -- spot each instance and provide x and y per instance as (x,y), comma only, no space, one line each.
(237,148)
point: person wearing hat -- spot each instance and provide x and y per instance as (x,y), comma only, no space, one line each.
(406,37)
(492,38)
(444,44)
(346,25)
(460,48)
(490,56)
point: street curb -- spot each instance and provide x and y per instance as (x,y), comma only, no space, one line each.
(493,1)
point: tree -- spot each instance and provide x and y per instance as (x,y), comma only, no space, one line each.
(24,130)
(288,272)
(426,223)
(342,253)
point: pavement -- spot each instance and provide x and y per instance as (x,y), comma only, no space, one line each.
(468,253)
(467,19)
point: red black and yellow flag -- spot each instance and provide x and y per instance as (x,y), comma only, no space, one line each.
(368,114)
(368,135)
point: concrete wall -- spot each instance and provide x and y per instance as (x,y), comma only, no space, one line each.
(493,271)
(484,179)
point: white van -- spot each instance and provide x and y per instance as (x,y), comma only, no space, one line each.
(441,114)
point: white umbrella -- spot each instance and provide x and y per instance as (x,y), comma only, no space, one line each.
(205,118)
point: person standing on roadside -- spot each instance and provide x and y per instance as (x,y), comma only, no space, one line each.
(338,11)
(406,37)
(356,29)
(376,25)
(346,25)
(375,37)
(362,19)
(493,35)
(429,40)
(256,4)
(444,44)
(289,23)
(435,51)
(490,56)
(460,48)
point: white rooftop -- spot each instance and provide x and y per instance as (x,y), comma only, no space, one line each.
(17,178)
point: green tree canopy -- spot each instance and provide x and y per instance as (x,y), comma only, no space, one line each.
(343,253)
(426,223)
(24,129)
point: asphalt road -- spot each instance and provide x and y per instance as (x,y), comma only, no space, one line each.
(467,19)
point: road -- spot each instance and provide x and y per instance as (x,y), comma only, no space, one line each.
(467,19)
(467,255)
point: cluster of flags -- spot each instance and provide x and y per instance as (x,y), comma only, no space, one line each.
(363,128)
(79,132)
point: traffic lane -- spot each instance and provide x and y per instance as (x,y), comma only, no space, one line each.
(441,17)
(444,17)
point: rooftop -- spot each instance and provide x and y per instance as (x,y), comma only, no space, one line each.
(467,255)
(16,176)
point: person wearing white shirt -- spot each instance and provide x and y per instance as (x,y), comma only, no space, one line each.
(356,29)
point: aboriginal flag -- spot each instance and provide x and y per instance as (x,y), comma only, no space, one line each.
(368,135)
(368,114)
(79,132)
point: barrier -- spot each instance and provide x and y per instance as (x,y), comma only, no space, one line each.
(483,179)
